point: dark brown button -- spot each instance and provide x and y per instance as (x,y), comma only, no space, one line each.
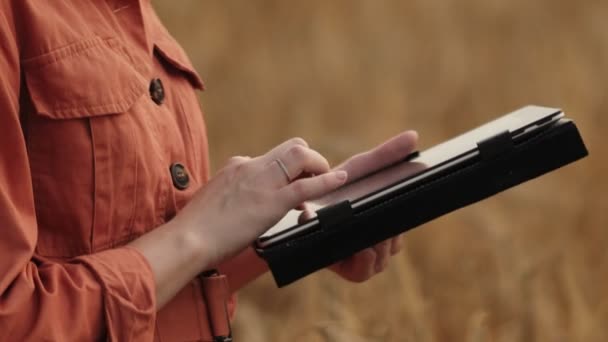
(157,91)
(180,176)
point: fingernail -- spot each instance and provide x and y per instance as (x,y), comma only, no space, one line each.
(341,175)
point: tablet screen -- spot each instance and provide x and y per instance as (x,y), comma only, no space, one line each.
(416,167)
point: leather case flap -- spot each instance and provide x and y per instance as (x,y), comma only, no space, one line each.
(501,164)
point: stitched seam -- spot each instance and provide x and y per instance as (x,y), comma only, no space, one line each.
(135,186)
(61,53)
(35,188)
(95,188)
(190,137)
(117,106)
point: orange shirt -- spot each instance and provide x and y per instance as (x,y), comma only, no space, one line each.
(98,114)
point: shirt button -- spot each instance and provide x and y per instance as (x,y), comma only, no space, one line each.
(180,176)
(157,91)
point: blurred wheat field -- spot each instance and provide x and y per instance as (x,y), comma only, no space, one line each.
(530,264)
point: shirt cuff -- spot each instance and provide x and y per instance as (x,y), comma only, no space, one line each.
(129,292)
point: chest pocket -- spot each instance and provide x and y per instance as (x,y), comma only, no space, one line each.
(80,137)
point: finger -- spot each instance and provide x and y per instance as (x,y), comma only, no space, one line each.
(383,252)
(294,162)
(359,267)
(389,152)
(278,151)
(305,216)
(396,244)
(299,159)
(310,188)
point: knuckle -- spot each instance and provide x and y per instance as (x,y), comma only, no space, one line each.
(237,160)
(299,141)
(298,152)
(237,166)
(324,164)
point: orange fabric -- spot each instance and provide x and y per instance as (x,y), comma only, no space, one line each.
(215,291)
(84,169)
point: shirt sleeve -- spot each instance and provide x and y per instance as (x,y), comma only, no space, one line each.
(107,295)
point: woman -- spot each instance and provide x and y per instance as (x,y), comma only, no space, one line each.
(108,222)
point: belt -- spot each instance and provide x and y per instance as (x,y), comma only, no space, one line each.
(216,293)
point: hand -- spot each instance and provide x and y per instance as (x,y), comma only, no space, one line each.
(368,262)
(249,195)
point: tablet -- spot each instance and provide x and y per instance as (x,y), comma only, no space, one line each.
(415,168)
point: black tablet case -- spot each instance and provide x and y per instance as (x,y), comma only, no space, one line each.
(501,164)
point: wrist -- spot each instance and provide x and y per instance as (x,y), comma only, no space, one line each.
(189,241)
(176,254)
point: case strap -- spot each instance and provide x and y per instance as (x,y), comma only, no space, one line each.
(496,145)
(216,293)
(335,215)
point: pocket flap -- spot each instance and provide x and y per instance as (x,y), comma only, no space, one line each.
(88,78)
